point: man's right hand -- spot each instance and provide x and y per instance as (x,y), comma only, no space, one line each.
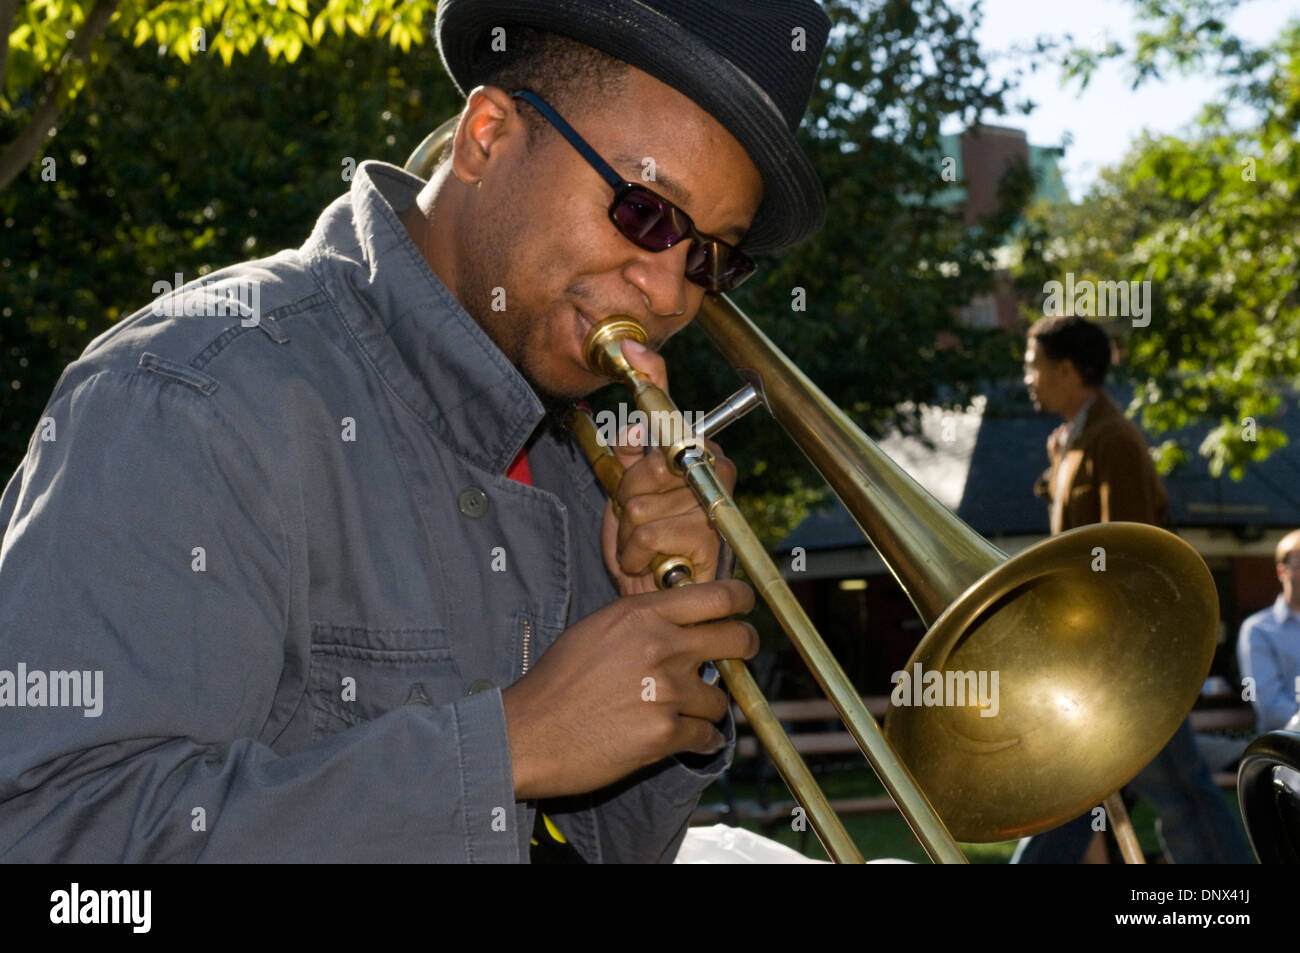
(621,689)
(1056,441)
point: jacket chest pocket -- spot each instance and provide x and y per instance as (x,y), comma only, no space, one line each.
(356,680)
(1084,504)
(1082,488)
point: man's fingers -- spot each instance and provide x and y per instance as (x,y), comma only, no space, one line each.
(649,473)
(630,448)
(732,638)
(647,362)
(687,534)
(707,702)
(723,465)
(644,509)
(701,602)
(700,736)
(646,476)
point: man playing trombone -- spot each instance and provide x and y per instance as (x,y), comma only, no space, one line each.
(351,593)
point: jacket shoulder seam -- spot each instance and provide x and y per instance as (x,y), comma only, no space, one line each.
(190,377)
(164,372)
(268,324)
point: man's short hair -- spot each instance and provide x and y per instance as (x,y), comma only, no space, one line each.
(1075,339)
(1287,544)
(571,76)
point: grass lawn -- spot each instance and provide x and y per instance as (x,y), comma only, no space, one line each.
(885,835)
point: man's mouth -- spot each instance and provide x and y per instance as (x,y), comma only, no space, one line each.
(583,323)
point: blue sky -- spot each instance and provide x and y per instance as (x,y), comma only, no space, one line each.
(1106,117)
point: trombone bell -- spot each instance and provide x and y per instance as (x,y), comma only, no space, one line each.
(1096,668)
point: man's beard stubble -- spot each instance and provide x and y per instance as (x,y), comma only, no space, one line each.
(510,337)
(559,410)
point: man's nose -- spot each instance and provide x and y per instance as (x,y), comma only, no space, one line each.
(661,279)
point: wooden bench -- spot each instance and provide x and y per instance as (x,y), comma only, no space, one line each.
(821,742)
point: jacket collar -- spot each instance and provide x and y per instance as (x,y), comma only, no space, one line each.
(430,353)
(1080,420)
(1282,611)
(1100,410)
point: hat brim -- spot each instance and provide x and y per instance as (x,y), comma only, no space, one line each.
(794,204)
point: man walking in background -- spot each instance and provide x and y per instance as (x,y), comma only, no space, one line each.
(1100,472)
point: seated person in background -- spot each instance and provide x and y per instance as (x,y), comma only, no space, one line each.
(1268,646)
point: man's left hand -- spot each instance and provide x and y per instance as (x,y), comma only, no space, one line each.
(660,514)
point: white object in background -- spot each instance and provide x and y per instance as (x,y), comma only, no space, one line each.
(721,844)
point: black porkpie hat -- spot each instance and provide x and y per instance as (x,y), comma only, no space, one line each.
(751,64)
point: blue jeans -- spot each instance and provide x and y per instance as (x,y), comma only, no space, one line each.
(1196,823)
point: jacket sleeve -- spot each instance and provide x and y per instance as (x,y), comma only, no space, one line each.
(1127,486)
(1043,485)
(143,546)
(643,819)
(1275,689)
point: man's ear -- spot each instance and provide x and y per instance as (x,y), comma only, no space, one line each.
(1072,371)
(488,124)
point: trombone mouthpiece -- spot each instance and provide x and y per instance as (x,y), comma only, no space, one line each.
(603,347)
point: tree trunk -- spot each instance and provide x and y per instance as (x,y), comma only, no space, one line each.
(27,144)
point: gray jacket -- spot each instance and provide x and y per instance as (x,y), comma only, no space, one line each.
(280,538)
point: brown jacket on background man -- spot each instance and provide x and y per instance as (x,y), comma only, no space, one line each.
(1108,473)
(1102,472)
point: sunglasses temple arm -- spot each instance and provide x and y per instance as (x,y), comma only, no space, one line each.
(600,165)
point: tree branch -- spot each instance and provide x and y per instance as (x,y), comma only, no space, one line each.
(28,142)
(8,11)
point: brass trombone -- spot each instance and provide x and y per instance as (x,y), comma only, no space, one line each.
(1101,637)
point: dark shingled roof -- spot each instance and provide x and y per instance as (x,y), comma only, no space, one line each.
(1008,453)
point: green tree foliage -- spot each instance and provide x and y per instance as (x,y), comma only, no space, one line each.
(170,167)
(167,166)
(51,49)
(1212,221)
(883,282)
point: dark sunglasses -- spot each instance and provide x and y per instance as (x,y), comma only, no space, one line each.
(650,221)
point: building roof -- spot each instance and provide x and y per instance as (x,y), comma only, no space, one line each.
(983,466)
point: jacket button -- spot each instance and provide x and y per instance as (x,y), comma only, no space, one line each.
(473,502)
(418,696)
(480,685)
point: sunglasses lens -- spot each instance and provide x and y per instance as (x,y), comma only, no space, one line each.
(656,225)
(701,258)
(647,220)
(716,266)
